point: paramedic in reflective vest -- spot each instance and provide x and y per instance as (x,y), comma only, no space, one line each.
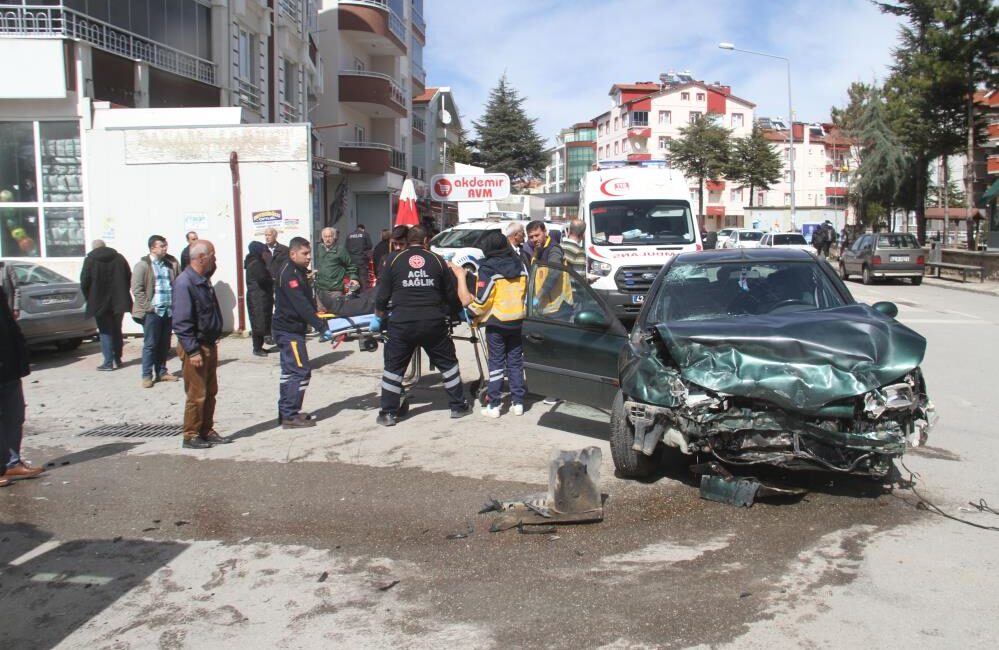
(422,291)
(294,311)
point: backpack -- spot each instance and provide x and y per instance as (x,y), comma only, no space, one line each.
(819,236)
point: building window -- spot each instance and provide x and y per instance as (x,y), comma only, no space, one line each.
(247,61)
(736,120)
(624,146)
(735,196)
(787,198)
(616,124)
(616,149)
(665,118)
(290,82)
(46,217)
(700,97)
(640,118)
(664,141)
(694,117)
(684,97)
(761,198)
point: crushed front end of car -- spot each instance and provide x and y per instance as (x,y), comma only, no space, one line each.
(836,389)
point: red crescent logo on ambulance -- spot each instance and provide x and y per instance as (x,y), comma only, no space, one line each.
(417,262)
(615,187)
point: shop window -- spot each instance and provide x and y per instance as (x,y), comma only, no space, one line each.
(61,168)
(17,162)
(20,232)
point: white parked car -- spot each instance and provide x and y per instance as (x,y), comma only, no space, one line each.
(460,244)
(723,237)
(744,238)
(785,240)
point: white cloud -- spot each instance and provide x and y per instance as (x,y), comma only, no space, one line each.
(564,56)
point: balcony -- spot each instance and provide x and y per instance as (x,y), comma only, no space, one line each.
(419,129)
(376,94)
(291,11)
(289,113)
(247,95)
(419,25)
(419,174)
(418,75)
(46,22)
(374,24)
(373,157)
(639,132)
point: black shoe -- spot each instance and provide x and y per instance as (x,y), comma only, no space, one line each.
(214,438)
(461,412)
(386,419)
(105,366)
(117,364)
(268,340)
(196,443)
(272,350)
(297,422)
(259,353)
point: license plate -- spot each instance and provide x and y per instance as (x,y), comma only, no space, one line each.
(898,258)
(54,301)
(638,299)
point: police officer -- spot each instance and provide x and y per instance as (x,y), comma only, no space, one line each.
(294,311)
(359,248)
(422,292)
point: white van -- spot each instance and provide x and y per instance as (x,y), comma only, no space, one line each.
(637,217)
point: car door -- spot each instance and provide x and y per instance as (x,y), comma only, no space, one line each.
(766,241)
(572,340)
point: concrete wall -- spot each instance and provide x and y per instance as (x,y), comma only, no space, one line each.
(990,261)
(167,181)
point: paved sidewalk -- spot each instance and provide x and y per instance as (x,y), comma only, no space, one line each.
(989,287)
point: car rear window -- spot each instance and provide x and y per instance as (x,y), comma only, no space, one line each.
(34,274)
(897,240)
(750,235)
(789,240)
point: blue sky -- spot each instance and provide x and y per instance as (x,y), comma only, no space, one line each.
(564,55)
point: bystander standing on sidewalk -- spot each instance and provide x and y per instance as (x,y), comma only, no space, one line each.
(8,282)
(197,321)
(152,288)
(259,296)
(381,249)
(105,281)
(13,366)
(185,255)
(333,266)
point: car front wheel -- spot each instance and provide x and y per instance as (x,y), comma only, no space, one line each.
(628,462)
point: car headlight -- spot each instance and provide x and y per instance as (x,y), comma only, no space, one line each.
(599,268)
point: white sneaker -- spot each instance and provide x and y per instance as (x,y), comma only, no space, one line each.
(517,409)
(491,411)
(552,400)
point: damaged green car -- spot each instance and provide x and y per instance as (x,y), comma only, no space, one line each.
(744,356)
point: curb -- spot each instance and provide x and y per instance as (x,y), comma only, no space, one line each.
(954,286)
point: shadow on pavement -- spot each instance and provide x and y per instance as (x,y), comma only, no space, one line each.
(44,357)
(328,358)
(47,597)
(94,453)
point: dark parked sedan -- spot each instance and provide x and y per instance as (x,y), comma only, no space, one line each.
(747,356)
(52,307)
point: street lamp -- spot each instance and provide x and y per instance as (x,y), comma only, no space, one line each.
(790,114)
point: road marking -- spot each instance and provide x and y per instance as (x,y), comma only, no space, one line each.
(63,578)
(41,549)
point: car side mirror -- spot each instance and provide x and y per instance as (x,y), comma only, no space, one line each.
(591,319)
(889,309)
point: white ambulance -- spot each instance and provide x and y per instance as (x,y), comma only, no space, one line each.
(637,217)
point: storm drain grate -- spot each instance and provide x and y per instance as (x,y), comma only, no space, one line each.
(134,431)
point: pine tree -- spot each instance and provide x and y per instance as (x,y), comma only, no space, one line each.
(753,162)
(702,151)
(508,141)
(884,161)
(460,152)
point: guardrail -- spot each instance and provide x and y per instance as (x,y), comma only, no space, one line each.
(419,73)
(290,113)
(249,94)
(396,25)
(293,10)
(419,124)
(29,21)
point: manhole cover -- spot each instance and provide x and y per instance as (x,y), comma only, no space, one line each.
(134,431)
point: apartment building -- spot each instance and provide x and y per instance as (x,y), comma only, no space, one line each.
(436,130)
(61,57)
(572,156)
(644,117)
(372,53)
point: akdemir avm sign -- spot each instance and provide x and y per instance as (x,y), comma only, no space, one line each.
(469,187)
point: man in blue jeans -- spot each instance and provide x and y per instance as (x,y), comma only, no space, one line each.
(152,288)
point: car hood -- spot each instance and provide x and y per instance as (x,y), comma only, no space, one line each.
(799,361)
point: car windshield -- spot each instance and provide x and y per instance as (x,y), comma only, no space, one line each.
(897,240)
(789,240)
(641,222)
(461,239)
(33,274)
(750,235)
(701,291)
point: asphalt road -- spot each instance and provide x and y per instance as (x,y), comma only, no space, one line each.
(355,536)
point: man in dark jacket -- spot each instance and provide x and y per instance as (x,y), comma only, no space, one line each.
(13,366)
(294,311)
(105,281)
(277,253)
(421,291)
(381,249)
(359,247)
(546,251)
(197,322)
(185,255)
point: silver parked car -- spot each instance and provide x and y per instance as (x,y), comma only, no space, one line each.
(52,307)
(878,256)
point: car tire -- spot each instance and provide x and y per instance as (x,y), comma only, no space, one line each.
(628,462)
(68,344)
(866,275)
(843,275)
(918,280)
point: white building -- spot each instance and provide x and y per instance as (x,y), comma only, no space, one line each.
(58,59)
(644,117)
